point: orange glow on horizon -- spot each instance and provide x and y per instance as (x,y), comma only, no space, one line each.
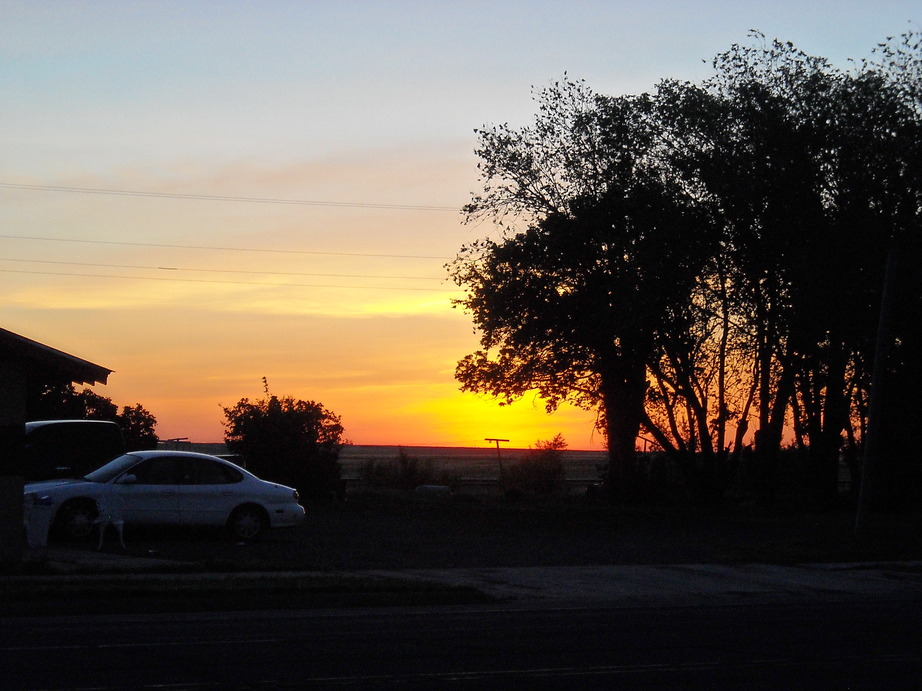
(453,420)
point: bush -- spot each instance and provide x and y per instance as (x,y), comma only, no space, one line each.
(541,470)
(288,441)
(404,473)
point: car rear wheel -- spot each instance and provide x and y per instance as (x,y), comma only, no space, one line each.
(75,520)
(247,522)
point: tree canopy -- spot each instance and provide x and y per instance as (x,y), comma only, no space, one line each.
(704,262)
(63,402)
(287,440)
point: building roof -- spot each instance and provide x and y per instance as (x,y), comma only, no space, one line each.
(52,364)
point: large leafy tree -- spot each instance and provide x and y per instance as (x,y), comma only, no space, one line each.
(891,441)
(811,170)
(813,174)
(707,261)
(700,390)
(289,441)
(599,254)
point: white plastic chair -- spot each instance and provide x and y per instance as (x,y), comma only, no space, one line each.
(36,515)
(110,513)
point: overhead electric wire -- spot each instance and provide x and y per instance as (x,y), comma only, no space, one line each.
(221,198)
(239,283)
(222,248)
(221,271)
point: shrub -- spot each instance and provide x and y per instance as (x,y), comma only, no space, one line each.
(541,470)
(404,473)
(289,441)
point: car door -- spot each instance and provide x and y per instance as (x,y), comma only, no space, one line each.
(210,490)
(149,491)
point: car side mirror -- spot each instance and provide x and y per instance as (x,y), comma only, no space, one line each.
(128,479)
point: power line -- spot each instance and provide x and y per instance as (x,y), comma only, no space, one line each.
(223,249)
(221,198)
(222,271)
(202,280)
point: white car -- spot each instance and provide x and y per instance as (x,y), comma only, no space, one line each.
(166,488)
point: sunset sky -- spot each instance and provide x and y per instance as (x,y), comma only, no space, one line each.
(198,195)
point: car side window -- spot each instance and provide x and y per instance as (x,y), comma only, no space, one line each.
(201,471)
(156,471)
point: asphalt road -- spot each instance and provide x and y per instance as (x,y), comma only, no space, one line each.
(871,644)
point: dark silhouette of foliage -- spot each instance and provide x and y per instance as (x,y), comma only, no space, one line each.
(64,402)
(573,304)
(540,471)
(815,173)
(289,441)
(706,262)
(138,428)
(405,473)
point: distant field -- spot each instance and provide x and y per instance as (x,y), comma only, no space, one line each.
(468,463)
(473,465)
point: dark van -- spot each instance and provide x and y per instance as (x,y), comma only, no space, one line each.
(68,448)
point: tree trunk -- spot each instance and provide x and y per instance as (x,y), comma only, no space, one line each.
(824,451)
(623,394)
(769,435)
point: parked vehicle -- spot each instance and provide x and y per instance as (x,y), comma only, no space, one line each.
(167,488)
(68,448)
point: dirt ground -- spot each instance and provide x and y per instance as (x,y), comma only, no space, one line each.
(392,531)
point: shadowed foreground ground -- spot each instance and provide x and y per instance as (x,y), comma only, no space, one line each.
(397,532)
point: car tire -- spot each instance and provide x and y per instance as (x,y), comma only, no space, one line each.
(75,520)
(247,522)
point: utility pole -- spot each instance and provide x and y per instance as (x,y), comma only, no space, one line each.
(873,441)
(499,458)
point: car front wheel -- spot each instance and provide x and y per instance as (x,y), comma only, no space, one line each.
(75,520)
(247,522)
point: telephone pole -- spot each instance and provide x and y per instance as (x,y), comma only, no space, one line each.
(873,435)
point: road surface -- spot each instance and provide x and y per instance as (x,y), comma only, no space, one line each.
(864,643)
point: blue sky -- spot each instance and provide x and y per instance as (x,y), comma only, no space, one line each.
(156,81)
(351,102)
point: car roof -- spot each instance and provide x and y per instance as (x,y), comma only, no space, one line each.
(31,424)
(156,453)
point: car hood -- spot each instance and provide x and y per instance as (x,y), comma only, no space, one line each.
(48,485)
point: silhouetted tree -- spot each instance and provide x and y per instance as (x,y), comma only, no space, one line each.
(573,304)
(898,381)
(815,173)
(64,402)
(707,261)
(289,441)
(138,427)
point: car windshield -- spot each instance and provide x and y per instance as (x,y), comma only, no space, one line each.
(113,469)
